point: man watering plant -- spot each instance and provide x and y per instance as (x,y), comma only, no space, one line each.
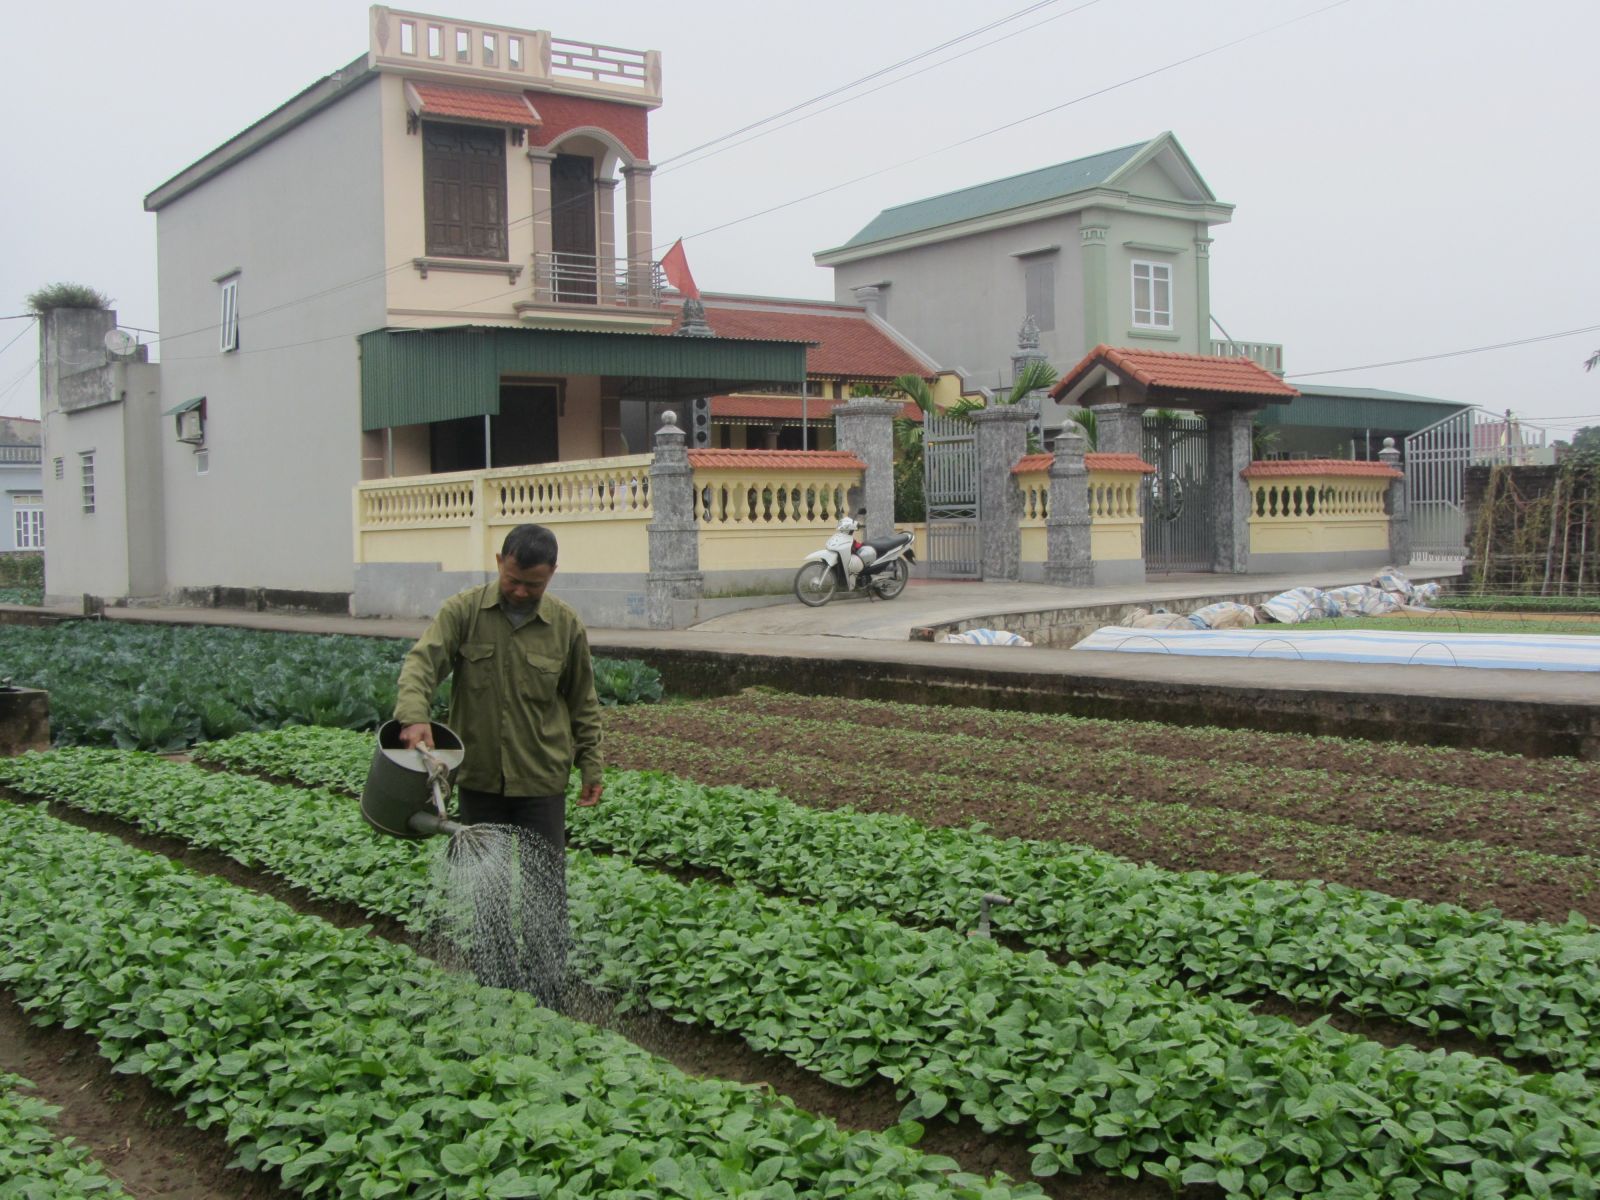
(524,704)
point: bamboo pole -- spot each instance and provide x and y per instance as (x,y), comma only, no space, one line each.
(1550,542)
(1566,545)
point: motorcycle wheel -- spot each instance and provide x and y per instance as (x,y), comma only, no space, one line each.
(893,581)
(814,584)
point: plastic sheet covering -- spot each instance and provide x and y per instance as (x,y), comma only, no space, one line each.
(1225,614)
(1362,600)
(1392,579)
(1297,606)
(1527,652)
(987,637)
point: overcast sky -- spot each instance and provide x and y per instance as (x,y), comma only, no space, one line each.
(1412,177)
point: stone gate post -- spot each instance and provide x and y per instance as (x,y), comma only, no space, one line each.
(1398,503)
(1227,454)
(1068,558)
(865,427)
(674,535)
(1118,429)
(1002,441)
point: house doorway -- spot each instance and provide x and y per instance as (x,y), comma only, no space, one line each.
(572,229)
(526,431)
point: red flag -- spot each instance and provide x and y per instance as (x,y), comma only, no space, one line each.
(676,268)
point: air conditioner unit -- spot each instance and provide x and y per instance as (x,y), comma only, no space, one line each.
(191,426)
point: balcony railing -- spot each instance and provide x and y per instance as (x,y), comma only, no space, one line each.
(1265,354)
(564,278)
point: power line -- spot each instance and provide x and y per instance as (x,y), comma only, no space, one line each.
(1019,121)
(1543,337)
(14,340)
(868,78)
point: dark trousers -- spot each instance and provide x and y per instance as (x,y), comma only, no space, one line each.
(520,932)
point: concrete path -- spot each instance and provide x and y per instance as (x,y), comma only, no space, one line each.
(934,602)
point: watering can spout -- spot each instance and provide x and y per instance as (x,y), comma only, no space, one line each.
(429,823)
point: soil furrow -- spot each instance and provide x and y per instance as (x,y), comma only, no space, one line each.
(1515,821)
(1444,765)
(1174,836)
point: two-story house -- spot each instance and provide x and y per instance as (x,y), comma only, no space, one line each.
(437,258)
(1109,249)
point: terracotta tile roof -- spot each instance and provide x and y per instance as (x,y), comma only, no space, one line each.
(1032,464)
(786,408)
(776,460)
(1285,468)
(1175,372)
(473,104)
(847,344)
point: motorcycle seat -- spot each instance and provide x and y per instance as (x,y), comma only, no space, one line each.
(892,542)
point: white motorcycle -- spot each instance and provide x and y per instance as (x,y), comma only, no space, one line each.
(878,569)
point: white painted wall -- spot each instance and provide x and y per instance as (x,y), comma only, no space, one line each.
(299,219)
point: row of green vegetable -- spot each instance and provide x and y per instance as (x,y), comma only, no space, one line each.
(1372,802)
(357,1069)
(1527,988)
(1098,1065)
(1175,836)
(160,687)
(34,1163)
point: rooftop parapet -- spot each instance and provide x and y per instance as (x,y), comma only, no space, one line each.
(462,50)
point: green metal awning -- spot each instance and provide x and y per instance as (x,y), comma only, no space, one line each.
(186,406)
(1326,407)
(416,376)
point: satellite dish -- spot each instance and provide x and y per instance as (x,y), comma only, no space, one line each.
(120,342)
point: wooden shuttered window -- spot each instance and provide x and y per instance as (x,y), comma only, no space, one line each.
(464,179)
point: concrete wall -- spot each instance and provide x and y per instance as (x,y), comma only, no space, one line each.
(301,216)
(962,301)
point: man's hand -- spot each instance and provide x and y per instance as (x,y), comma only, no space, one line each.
(412,736)
(590,795)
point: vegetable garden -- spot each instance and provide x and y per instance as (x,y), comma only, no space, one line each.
(1235,963)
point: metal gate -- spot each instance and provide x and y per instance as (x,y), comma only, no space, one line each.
(1177,508)
(950,489)
(1436,460)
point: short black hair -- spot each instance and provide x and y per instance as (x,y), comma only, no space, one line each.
(531,546)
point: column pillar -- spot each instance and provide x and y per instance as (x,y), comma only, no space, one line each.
(1002,441)
(1118,429)
(674,533)
(1227,454)
(641,279)
(1068,557)
(1202,294)
(605,193)
(865,427)
(1096,284)
(543,230)
(1398,503)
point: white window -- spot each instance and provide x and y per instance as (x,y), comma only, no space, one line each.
(1152,295)
(61,468)
(28,511)
(435,41)
(408,37)
(86,478)
(230,315)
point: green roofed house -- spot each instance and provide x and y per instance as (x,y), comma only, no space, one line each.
(1326,421)
(1110,249)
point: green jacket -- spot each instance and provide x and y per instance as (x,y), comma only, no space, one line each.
(523,700)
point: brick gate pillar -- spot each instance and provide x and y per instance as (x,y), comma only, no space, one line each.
(1002,441)
(1068,560)
(1398,503)
(674,534)
(865,427)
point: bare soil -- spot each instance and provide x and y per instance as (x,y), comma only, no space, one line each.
(1484,831)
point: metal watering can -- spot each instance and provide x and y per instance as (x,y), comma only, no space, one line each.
(406,789)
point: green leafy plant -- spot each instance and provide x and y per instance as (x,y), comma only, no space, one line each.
(33,1162)
(626,681)
(65,295)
